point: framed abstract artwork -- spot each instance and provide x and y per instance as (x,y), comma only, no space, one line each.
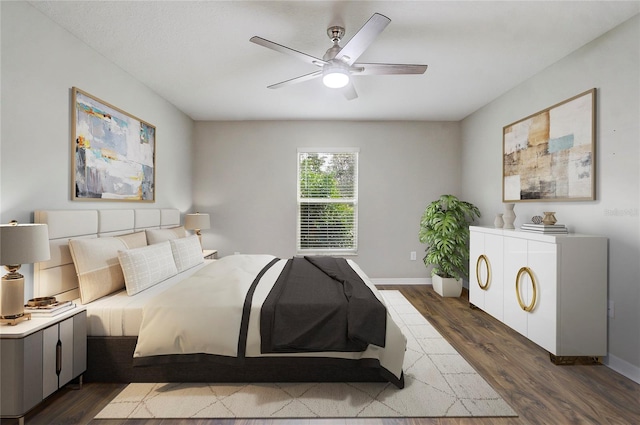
(550,155)
(113,155)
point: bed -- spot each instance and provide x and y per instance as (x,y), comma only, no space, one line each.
(133,337)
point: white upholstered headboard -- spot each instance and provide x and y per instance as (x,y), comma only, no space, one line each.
(57,277)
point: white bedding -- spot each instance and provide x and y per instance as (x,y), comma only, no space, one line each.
(211,303)
(121,315)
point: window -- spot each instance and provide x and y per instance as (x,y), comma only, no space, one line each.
(328,200)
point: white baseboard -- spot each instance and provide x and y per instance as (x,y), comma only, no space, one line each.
(623,367)
(401,281)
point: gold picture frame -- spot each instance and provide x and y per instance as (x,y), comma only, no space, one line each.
(113,152)
(550,155)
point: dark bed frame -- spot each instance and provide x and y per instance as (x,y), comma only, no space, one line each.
(110,359)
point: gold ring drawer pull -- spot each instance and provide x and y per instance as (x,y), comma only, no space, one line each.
(531,305)
(484,258)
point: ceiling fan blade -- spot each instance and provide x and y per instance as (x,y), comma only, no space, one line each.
(286,50)
(363,38)
(296,80)
(349,91)
(387,69)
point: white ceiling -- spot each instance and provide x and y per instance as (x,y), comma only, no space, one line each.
(197,54)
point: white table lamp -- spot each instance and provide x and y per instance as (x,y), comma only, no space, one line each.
(19,244)
(197,222)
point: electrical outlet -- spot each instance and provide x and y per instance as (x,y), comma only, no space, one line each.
(611,309)
(413,256)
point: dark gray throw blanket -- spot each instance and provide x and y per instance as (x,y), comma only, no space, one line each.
(321,304)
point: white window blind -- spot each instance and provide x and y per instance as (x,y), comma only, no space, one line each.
(328,200)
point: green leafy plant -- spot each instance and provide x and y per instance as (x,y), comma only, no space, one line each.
(444,227)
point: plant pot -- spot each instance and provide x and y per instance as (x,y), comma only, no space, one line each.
(447,286)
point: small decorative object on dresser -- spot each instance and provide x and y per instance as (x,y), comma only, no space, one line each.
(498,222)
(549,217)
(536,219)
(509,216)
(545,228)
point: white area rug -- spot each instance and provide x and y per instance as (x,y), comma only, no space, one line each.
(438,383)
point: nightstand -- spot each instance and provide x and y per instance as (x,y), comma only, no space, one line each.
(39,356)
(210,254)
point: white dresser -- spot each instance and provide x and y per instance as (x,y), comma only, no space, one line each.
(550,288)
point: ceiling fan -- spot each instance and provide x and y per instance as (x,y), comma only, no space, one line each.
(339,63)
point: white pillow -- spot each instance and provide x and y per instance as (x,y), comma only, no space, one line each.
(161,235)
(146,266)
(187,252)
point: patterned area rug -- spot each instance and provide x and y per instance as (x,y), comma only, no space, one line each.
(438,383)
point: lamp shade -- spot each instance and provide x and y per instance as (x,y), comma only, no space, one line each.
(196,221)
(23,243)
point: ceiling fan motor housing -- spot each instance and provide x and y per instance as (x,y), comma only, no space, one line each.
(331,52)
(335,33)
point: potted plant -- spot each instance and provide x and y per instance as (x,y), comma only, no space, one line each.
(444,227)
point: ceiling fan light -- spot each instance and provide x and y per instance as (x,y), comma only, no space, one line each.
(335,77)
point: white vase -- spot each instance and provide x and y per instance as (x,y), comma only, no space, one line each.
(509,216)
(498,222)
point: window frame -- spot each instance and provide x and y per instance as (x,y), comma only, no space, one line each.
(351,201)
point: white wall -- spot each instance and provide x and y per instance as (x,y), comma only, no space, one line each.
(40,64)
(245,177)
(611,64)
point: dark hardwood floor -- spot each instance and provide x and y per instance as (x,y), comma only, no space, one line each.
(520,371)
